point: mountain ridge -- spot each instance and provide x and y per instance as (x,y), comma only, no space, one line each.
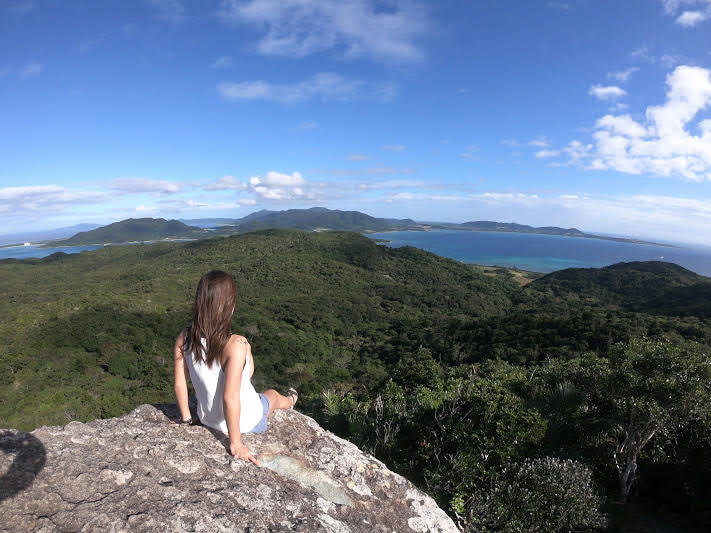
(318,219)
(311,219)
(132,230)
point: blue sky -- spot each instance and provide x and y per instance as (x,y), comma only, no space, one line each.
(587,113)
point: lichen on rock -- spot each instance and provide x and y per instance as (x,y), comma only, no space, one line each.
(139,472)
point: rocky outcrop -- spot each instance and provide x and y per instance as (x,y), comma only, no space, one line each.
(139,472)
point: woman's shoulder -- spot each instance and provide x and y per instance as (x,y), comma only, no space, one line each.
(235,347)
(236,341)
(182,337)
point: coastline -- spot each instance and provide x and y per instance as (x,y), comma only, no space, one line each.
(544,253)
(432,228)
(50,244)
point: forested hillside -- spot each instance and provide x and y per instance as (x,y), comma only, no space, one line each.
(134,229)
(318,218)
(479,390)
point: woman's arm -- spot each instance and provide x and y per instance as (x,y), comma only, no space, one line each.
(180,377)
(235,355)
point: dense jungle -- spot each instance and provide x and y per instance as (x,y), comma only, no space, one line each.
(557,405)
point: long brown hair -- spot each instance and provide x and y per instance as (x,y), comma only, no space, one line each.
(212,311)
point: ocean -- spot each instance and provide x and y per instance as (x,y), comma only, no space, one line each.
(544,253)
(24,252)
(527,251)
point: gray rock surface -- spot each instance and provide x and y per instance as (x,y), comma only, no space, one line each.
(139,472)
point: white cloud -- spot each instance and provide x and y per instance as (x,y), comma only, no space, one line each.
(279,186)
(664,144)
(357,28)
(137,185)
(325,86)
(617,107)
(577,151)
(392,184)
(358,157)
(541,141)
(642,54)
(671,60)
(172,11)
(172,205)
(622,76)
(691,18)
(510,142)
(485,198)
(410,196)
(43,199)
(609,92)
(654,217)
(692,206)
(688,13)
(542,154)
(507,196)
(294,187)
(195,204)
(226,182)
(277,179)
(623,125)
(395,147)
(146,209)
(272,194)
(222,62)
(645,216)
(379,171)
(30,70)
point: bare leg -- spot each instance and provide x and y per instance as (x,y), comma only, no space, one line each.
(277,401)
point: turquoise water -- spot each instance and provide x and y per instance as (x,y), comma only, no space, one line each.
(544,253)
(23,252)
(538,253)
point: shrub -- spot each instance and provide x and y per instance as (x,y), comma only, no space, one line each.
(537,496)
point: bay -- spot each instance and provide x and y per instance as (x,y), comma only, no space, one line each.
(34,250)
(544,253)
(527,251)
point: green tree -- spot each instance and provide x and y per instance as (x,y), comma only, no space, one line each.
(449,436)
(543,495)
(644,389)
(657,386)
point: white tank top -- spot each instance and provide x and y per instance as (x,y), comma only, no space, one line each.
(209,385)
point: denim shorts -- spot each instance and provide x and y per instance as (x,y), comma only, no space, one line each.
(261,426)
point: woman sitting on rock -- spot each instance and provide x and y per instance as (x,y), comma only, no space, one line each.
(220,365)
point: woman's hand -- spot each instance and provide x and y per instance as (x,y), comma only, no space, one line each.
(240,450)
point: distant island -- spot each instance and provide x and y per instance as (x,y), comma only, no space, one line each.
(317,219)
(134,230)
(322,219)
(506,227)
(313,219)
